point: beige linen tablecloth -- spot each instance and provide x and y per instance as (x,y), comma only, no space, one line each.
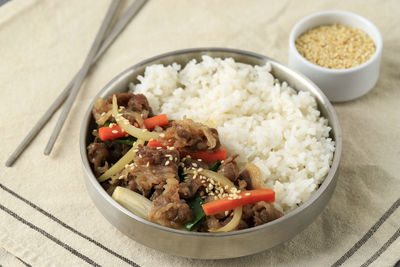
(46,216)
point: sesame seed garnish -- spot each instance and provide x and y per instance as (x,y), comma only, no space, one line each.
(144,130)
(167,163)
(336,46)
(247,194)
(162,134)
(194,164)
(102,114)
(148,164)
(114,131)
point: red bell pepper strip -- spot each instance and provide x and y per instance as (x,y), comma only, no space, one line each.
(159,120)
(240,199)
(207,156)
(114,132)
(155,143)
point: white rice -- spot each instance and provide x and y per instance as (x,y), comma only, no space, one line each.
(265,121)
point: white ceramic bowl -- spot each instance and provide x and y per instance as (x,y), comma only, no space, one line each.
(338,84)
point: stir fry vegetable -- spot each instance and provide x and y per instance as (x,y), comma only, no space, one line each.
(155,143)
(126,141)
(106,133)
(215,166)
(126,159)
(143,134)
(159,120)
(225,182)
(208,156)
(237,215)
(240,199)
(199,215)
(133,201)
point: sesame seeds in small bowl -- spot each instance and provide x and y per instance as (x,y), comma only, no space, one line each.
(340,51)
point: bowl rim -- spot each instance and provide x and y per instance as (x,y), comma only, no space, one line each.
(342,13)
(334,124)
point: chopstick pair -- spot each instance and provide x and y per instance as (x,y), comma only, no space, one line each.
(100,45)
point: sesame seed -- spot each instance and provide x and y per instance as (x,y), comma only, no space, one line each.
(336,46)
(114,131)
(148,164)
(167,163)
(144,130)
(194,164)
(102,114)
(247,194)
(162,134)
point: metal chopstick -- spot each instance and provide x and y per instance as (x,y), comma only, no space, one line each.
(81,76)
(116,30)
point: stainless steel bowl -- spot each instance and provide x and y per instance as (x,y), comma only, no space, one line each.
(213,245)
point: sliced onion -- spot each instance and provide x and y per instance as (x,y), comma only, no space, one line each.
(143,134)
(237,215)
(120,164)
(133,201)
(217,177)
